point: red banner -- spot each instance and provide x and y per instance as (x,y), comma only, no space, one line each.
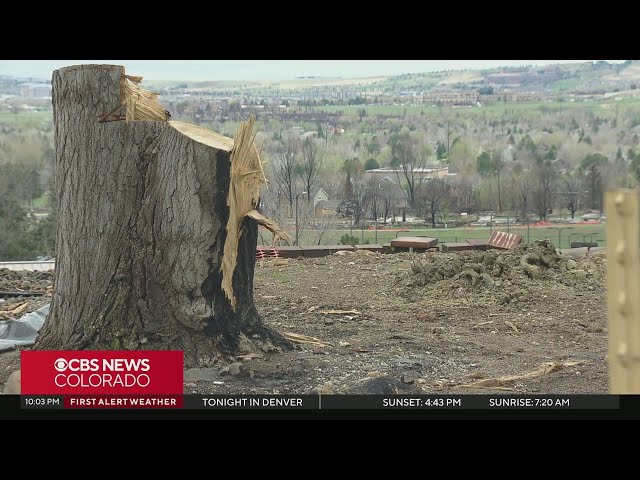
(96,372)
(123,401)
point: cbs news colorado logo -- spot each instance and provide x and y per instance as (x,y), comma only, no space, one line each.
(61,372)
(92,373)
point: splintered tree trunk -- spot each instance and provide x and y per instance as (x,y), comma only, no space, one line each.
(142,224)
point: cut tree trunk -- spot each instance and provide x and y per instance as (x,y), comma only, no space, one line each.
(142,224)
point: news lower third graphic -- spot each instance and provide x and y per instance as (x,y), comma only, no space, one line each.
(102,379)
(326,402)
(152,379)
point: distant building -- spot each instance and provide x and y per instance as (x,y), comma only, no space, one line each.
(322,206)
(35,90)
(474,98)
(391,174)
(320,196)
(452,98)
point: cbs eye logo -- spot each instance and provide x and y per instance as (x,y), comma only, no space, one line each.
(61,364)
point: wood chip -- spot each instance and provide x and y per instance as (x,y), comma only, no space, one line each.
(297,338)
(340,312)
(482,323)
(513,327)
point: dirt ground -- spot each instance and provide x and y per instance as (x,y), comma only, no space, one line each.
(528,321)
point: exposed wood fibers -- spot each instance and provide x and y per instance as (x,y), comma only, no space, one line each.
(247,174)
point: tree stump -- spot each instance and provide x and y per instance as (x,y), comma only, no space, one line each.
(141,230)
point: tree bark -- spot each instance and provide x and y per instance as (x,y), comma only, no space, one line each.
(142,208)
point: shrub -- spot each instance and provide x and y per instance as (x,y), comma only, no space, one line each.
(347,239)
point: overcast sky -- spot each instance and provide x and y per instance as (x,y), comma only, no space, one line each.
(264,69)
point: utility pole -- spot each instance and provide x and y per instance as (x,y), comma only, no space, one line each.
(297,195)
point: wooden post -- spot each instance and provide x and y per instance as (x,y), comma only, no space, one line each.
(623,285)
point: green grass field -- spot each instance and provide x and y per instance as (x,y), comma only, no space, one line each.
(563,235)
(26,120)
(568,84)
(41,201)
(394,110)
(492,110)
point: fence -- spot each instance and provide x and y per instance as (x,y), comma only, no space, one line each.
(561,236)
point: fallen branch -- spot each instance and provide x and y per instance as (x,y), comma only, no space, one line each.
(297,338)
(278,233)
(501,382)
(18,310)
(482,323)
(15,311)
(340,312)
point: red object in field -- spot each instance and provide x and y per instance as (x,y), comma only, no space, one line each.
(123,401)
(414,242)
(504,240)
(263,252)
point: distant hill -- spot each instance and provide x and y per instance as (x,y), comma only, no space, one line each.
(598,77)
(588,77)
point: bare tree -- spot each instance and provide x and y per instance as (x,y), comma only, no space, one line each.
(465,193)
(543,182)
(435,193)
(305,221)
(572,185)
(593,166)
(374,203)
(285,166)
(522,183)
(410,160)
(310,166)
(321,226)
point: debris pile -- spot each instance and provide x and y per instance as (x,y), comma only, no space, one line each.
(22,292)
(539,261)
(25,281)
